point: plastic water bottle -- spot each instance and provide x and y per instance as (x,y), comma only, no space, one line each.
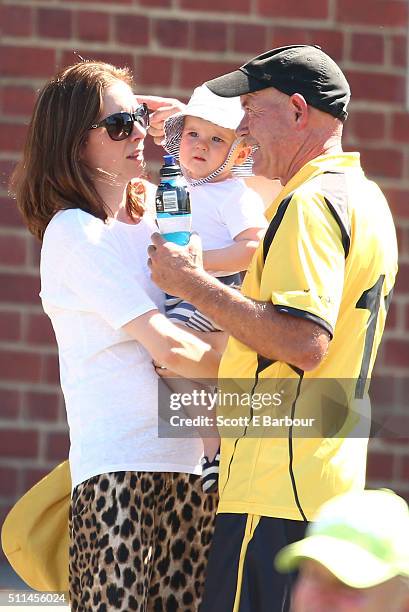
(173,203)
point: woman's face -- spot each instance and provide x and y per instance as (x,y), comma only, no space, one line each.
(122,158)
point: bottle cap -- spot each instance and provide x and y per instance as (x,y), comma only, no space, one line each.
(170,167)
(169,160)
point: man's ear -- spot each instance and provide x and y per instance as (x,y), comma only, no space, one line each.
(300,109)
(242,155)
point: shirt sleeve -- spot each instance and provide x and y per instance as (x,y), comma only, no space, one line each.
(243,210)
(104,283)
(304,270)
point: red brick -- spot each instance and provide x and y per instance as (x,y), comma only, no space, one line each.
(16,20)
(171,33)
(209,36)
(39,329)
(382,162)
(235,6)
(383,13)
(6,168)
(50,369)
(132,30)
(92,26)
(26,61)
(12,136)
(384,391)
(8,481)
(18,443)
(401,238)
(397,353)
(42,406)
(154,71)
(380,466)
(294,9)
(395,429)
(398,201)
(377,87)
(54,23)
(34,251)
(117,59)
(248,38)
(399,51)
(13,250)
(19,288)
(392,317)
(152,3)
(18,100)
(103,1)
(10,326)
(10,400)
(57,446)
(367,125)
(32,476)
(404,468)
(367,48)
(402,279)
(194,73)
(9,215)
(400,127)
(20,366)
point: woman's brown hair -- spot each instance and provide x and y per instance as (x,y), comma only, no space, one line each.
(51,175)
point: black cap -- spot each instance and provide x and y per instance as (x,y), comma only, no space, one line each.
(303,69)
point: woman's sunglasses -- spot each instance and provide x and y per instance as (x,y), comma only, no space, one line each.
(120,125)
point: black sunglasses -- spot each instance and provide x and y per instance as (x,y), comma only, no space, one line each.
(120,125)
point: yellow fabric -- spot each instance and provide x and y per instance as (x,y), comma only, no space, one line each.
(35,537)
(307,273)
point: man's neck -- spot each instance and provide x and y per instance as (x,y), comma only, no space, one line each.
(332,146)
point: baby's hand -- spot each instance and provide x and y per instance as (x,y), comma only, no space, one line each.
(161,109)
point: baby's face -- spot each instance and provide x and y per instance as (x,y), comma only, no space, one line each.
(204,147)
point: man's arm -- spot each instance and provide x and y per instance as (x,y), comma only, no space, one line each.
(256,324)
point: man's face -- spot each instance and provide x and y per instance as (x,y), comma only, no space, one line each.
(269,122)
(317,590)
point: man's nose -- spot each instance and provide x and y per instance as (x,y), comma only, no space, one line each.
(242,128)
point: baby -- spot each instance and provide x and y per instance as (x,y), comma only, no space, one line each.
(226,213)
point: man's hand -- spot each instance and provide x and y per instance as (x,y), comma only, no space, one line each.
(161,108)
(174,267)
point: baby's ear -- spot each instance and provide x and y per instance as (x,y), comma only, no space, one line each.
(242,155)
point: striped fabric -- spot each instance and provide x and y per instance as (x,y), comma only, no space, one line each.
(186,314)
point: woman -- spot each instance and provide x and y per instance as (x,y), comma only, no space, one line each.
(140,525)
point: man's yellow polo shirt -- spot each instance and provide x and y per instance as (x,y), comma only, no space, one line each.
(329,256)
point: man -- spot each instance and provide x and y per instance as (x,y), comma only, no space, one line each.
(312,309)
(355,557)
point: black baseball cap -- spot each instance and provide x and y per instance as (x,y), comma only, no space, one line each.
(303,69)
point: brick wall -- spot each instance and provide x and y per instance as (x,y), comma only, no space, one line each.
(173,45)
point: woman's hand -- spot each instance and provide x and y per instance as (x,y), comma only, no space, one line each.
(161,109)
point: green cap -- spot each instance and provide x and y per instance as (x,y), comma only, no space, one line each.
(360,537)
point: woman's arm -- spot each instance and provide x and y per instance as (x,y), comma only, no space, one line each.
(173,347)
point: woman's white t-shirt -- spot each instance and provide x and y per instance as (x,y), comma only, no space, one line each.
(94,280)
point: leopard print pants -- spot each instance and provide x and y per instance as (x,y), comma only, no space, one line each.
(139,541)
